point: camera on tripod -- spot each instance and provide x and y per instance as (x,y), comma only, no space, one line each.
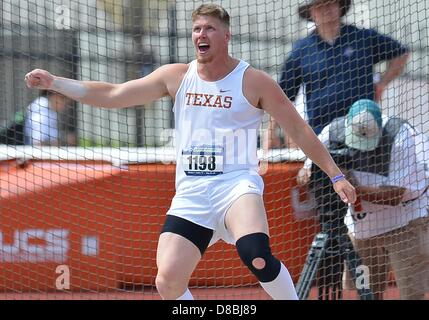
(332,246)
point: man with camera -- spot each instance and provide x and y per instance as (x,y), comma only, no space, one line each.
(386,163)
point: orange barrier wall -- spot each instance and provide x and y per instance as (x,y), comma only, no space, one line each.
(103,222)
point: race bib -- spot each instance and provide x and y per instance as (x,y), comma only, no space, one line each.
(203,160)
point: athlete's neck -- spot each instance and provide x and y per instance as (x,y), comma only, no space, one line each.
(217,69)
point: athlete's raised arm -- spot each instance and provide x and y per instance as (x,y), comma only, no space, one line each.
(164,81)
(273,100)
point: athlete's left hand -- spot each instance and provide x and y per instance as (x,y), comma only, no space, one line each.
(345,190)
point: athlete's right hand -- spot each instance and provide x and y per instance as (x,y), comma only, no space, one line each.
(303,177)
(39,79)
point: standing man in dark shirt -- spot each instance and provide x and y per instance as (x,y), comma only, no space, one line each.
(335,63)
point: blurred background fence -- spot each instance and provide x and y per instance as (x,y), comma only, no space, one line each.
(122,40)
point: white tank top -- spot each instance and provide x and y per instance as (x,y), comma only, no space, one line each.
(216,127)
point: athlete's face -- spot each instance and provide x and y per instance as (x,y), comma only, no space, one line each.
(326,12)
(210,38)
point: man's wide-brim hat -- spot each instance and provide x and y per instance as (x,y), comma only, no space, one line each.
(304,10)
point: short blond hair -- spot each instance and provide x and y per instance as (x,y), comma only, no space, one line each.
(212,10)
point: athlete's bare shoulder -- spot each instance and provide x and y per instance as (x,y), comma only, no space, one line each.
(173,75)
(253,82)
(256,74)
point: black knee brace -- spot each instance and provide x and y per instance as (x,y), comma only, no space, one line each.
(257,245)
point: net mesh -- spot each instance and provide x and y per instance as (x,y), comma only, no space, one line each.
(81,219)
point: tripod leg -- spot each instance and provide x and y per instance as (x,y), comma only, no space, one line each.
(311,265)
(354,262)
(330,271)
(335,291)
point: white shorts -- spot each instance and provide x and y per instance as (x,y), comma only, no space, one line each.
(207,202)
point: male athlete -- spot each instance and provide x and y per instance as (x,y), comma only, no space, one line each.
(218,105)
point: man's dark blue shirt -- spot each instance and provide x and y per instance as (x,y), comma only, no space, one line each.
(335,76)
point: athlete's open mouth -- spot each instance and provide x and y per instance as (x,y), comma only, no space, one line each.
(203,48)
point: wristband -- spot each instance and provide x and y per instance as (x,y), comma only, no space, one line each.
(338,178)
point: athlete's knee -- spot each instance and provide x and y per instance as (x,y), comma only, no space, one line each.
(168,286)
(254,250)
(162,285)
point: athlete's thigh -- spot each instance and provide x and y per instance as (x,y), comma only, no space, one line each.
(176,255)
(246,215)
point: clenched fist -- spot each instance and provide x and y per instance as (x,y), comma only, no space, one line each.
(39,79)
